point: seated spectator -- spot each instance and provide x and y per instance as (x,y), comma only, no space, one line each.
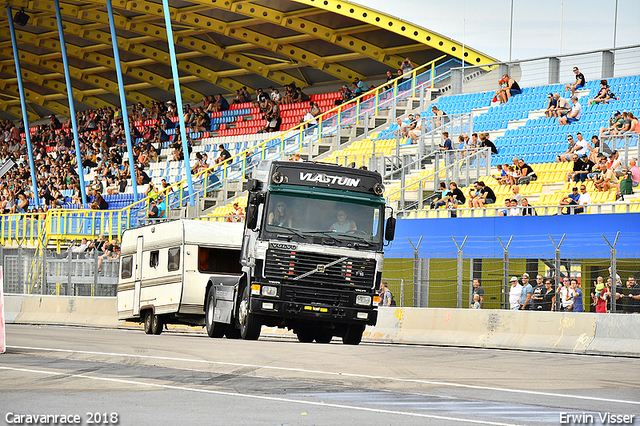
(604,94)
(563,106)
(442,200)
(579,84)
(579,147)
(455,197)
(511,89)
(635,123)
(502,83)
(525,173)
(152,210)
(359,87)
(551,106)
(236,214)
(274,95)
(615,124)
(501,173)
(314,109)
(597,147)
(606,179)
(224,155)
(300,96)
(574,115)
(415,133)
(505,210)
(346,95)
(526,209)
(308,119)
(575,198)
(482,196)
(80,248)
(261,100)
(514,210)
(98,203)
(635,173)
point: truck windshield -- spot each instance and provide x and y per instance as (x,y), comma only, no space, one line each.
(332,221)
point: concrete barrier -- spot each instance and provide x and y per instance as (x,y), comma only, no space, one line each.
(567,332)
(68,310)
(616,335)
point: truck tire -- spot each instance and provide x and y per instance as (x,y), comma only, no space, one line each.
(148,320)
(214,329)
(249,323)
(157,323)
(324,335)
(353,335)
(305,334)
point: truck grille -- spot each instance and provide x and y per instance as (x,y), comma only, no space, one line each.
(294,267)
(317,295)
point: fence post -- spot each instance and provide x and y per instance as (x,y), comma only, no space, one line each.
(422,102)
(44,271)
(68,290)
(366,124)
(558,264)
(20,277)
(459,286)
(417,282)
(470,281)
(505,271)
(94,287)
(401,292)
(614,273)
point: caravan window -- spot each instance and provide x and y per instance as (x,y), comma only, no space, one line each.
(219,260)
(174,259)
(154,259)
(127,266)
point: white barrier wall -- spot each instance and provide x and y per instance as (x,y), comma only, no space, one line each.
(566,332)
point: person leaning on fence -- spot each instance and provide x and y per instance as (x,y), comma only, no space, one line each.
(385,295)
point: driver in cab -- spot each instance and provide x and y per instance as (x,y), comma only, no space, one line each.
(343,224)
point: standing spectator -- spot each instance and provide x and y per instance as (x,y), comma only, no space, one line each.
(417,130)
(407,67)
(527,292)
(579,84)
(551,106)
(549,298)
(600,298)
(537,299)
(574,115)
(152,211)
(385,294)
(576,293)
(632,303)
(477,290)
(447,146)
(390,77)
(440,117)
(565,294)
(514,294)
(162,207)
(486,143)
(511,89)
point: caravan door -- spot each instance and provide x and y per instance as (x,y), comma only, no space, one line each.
(138,283)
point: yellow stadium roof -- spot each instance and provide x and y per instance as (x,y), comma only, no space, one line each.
(221,46)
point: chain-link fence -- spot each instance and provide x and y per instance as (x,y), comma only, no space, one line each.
(27,271)
(446,281)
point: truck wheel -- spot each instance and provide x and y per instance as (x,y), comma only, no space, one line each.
(353,335)
(214,329)
(148,319)
(156,324)
(305,334)
(249,323)
(324,335)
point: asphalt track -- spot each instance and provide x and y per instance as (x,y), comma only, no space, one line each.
(181,378)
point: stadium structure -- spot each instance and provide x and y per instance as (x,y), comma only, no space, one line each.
(220,46)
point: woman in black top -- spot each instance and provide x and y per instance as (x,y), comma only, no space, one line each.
(549,299)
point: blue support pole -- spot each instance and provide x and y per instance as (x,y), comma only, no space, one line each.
(123,99)
(72,107)
(23,105)
(178,93)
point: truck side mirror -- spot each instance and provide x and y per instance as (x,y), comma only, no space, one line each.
(255,199)
(390,229)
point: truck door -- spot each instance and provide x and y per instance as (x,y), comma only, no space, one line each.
(138,275)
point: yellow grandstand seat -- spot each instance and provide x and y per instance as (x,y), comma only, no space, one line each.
(422,214)
(411,215)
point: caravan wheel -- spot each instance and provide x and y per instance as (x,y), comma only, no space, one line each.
(156,324)
(148,319)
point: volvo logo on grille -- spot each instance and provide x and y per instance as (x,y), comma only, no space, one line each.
(320,268)
(281,246)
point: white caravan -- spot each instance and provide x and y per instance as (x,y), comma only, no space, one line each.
(166,269)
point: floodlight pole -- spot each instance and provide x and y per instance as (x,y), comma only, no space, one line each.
(72,107)
(123,99)
(23,105)
(178,93)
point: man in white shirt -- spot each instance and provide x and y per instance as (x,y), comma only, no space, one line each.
(514,294)
(585,198)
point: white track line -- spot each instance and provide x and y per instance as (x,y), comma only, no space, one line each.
(262,397)
(330,373)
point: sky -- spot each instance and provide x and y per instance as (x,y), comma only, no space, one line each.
(484,24)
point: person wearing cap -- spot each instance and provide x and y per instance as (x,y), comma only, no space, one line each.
(525,296)
(579,84)
(615,124)
(162,207)
(574,115)
(514,294)
(152,210)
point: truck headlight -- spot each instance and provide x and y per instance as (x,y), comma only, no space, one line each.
(363,300)
(270,291)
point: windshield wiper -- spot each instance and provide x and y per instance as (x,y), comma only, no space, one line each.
(293,231)
(361,240)
(325,234)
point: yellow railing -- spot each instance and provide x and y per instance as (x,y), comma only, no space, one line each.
(65,225)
